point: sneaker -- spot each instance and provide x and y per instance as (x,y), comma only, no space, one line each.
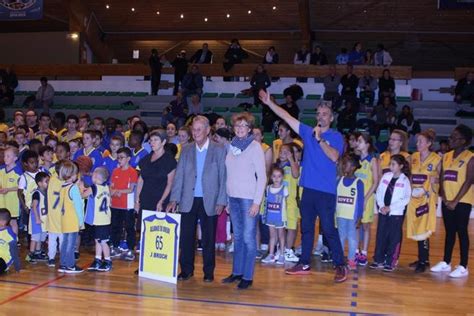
(298,251)
(441,267)
(62,269)
(41,256)
(326,257)
(129,256)
(31,258)
(269,259)
(259,255)
(352,264)
(199,245)
(299,269)
(51,263)
(231,248)
(388,268)
(341,274)
(221,246)
(123,246)
(459,272)
(376,265)
(318,250)
(414,264)
(280,260)
(362,260)
(106,266)
(115,252)
(95,265)
(290,256)
(77,255)
(420,268)
(73,270)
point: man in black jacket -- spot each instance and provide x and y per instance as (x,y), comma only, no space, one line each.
(349,83)
(234,55)
(465,89)
(202,56)
(155,67)
(180,64)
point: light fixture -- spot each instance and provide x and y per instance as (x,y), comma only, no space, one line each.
(249,12)
(205,19)
(228,15)
(107,6)
(157,12)
(182,16)
(274,8)
(73,36)
(133,9)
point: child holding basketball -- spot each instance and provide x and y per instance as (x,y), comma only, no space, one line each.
(38,217)
(98,215)
(393,195)
(274,215)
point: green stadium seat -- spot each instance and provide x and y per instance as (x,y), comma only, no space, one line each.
(115,107)
(220,109)
(403,99)
(384,135)
(126,94)
(361,116)
(227,95)
(101,107)
(57,106)
(98,93)
(207,109)
(255,110)
(309,111)
(210,95)
(112,94)
(71,106)
(268,138)
(86,107)
(309,121)
(235,109)
(278,96)
(242,96)
(16,106)
(70,93)
(129,107)
(313,97)
(84,93)
(58,93)
(140,94)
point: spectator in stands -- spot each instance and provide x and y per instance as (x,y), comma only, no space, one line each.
(84,122)
(331,85)
(175,112)
(369,58)
(347,118)
(235,54)
(356,56)
(6,95)
(385,115)
(318,57)
(271,56)
(367,86)
(292,94)
(406,122)
(443,147)
(196,107)
(349,83)
(155,68)
(343,57)
(259,81)
(202,56)
(32,120)
(192,83)
(302,57)
(464,90)
(9,79)
(386,86)
(382,58)
(180,64)
(45,95)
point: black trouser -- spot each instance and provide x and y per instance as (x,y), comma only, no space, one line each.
(389,235)
(424,251)
(123,219)
(155,83)
(456,221)
(188,239)
(178,79)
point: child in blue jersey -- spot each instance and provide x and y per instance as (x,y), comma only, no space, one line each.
(274,215)
(8,240)
(349,206)
(111,161)
(98,215)
(46,154)
(38,217)
(98,142)
(138,152)
(89,150)
(74,146)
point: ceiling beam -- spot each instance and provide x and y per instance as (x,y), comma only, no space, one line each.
(305,21)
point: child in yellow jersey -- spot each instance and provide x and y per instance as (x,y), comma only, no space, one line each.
(54,214)
(9,176)
(368,173)
(291,171)
(8,240)
(38,218)
(72,216)
(285,136)
(98,215)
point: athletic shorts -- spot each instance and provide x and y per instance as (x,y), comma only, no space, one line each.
(39,237)
(102,233)
(292,217)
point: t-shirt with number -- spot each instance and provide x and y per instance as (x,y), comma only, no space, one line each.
(9,180)
(55,205)
(123,180)
(98,206)
(42,210)
(159,253)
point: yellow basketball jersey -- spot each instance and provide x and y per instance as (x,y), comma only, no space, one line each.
(385,160)
(346,199)
(98,206)
(69,220)
(31,186)
(455,174)
(6,237)
(292,185)
(159,252)
(55,205)
(9,180)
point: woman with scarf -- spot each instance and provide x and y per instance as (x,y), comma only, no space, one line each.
(246,180)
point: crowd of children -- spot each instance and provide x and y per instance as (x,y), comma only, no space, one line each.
(70,180)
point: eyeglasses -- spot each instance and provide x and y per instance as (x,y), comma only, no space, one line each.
(241,126)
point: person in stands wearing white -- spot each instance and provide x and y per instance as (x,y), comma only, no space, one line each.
(393,195)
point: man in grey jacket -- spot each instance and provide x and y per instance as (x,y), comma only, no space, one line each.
(200,192)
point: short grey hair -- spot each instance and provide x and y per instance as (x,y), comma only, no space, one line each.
(325,104)
(160,133)
(201,119)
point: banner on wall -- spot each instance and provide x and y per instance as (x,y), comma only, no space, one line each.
(456,4)
(11,10)
(159,246)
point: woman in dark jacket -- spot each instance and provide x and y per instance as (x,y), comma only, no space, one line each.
(260,81)
(386,86)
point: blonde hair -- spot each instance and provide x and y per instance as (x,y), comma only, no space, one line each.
(102,172)
(67,170)
(14,150)
(429,134)
(404,136)
(244,116)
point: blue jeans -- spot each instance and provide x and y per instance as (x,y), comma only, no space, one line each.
(67,250)
(245,241)
(347,231)
(313,204)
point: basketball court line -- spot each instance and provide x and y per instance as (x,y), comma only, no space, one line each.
(34,288)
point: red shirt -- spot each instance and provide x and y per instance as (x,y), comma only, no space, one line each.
(122,180)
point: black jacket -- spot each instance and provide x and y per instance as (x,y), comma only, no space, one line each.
(197,56)
(180,65)
(235,55)
(155,64)
(260,80)
(321,58)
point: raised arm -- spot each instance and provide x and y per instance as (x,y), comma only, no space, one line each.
(292,122)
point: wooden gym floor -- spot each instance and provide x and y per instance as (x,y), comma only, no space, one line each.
(39,290)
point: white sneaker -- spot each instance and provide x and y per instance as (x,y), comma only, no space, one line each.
(290,256)
(459,272)
(269,259)
(280,260)
(298,250)
(441,267)
(231,247)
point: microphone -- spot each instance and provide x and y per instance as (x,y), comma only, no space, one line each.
(314,133)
